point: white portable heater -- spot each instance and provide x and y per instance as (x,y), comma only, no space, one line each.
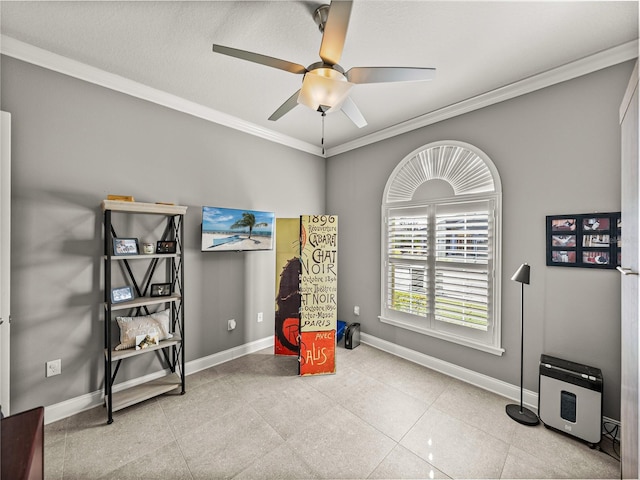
(570,398)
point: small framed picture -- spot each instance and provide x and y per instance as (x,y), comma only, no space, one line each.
(160,289)
(166,246)
(121,294)
(125,246)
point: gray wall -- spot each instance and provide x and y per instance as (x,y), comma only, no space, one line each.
(74,143)
(557,151)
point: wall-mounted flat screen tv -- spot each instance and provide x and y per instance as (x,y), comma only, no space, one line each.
(225,229)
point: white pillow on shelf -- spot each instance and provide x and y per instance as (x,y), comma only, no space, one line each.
(131,327)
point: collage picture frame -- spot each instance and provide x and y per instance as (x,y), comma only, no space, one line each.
(591,240)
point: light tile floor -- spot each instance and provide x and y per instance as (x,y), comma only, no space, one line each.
(378,417)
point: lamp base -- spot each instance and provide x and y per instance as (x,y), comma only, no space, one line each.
(522,415)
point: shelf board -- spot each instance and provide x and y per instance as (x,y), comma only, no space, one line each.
(139,393)
(140,207)
(132,352)
(142,301)
(143,256)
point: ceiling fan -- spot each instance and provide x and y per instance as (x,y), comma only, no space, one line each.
(326,85)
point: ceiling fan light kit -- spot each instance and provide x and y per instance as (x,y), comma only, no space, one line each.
(325,85)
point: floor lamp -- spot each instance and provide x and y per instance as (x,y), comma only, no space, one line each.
(520,413)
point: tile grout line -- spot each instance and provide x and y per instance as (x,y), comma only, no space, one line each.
(175,439)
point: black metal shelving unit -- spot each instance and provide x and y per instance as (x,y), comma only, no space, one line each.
(170,352)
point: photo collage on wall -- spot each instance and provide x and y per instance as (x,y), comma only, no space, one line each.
(590,240)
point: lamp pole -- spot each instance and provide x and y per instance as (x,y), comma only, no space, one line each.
(521,346)
(520,413)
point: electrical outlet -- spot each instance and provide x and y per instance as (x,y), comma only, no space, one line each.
(54,367)
(259,316)
(356,310)
(231,324)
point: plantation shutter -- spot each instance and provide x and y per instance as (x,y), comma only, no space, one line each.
(441,246)
(462,280)
(407,254)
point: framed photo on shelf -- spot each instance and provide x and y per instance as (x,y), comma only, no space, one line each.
(121,294)
(125,246)
(160,289)
(166,246)
(589,240)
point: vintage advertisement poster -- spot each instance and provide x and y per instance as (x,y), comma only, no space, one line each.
(318,293)
(287,316)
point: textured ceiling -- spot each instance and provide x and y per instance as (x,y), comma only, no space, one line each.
(476,47)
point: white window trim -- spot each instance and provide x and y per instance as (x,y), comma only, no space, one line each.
(493,344)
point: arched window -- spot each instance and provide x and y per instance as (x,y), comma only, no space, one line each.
(441,245)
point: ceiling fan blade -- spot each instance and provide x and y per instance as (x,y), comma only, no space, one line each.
(351,110)
(262,59)
(335,31)
(389,74)
(286,107)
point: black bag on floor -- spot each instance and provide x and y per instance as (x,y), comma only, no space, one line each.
(352,336)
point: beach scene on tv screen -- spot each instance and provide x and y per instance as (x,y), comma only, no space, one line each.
(235,229)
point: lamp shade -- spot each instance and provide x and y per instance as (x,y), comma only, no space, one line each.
(323,87)
(522,274)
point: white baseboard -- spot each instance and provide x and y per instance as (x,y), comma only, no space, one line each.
(227,355)
(529,398)
(79,404)
(65,409)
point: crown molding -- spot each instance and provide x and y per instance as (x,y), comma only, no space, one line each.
(43,58)
(28,53)
(604,59)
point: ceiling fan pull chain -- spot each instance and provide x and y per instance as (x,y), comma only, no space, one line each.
(324,114)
